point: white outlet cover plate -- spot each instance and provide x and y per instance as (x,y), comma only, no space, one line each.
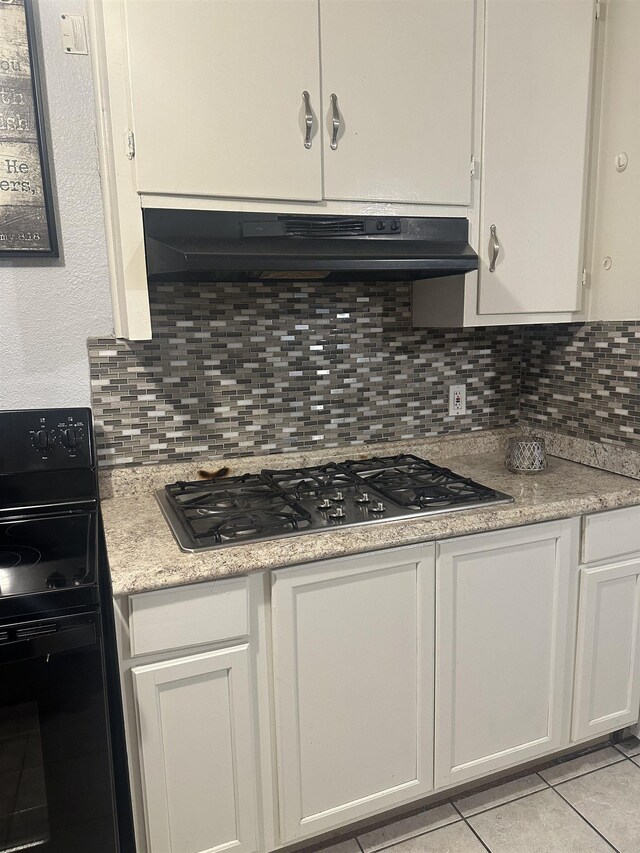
(457,400)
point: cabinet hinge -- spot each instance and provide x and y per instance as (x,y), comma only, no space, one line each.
(598,10)
(129,145)
(585,278)
(474,166)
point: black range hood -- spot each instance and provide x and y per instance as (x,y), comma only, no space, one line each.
(194,245)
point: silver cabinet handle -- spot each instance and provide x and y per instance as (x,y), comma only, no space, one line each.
(335,121)
(494,248)
(308,119)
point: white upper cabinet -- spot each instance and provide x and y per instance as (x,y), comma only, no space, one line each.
(615,294)
(203,105)
(217,97)
(529,224)
(397,76)
(219,104)
(537,82)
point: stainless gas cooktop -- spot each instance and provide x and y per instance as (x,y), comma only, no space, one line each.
(207,514)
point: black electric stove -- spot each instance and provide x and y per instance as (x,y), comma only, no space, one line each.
(218,513)
(63,783)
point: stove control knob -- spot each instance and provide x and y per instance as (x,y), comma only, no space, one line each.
(70,438)
(377,507)
(338,512)
(363,498)
(41,440)
(325,504)
(338,496)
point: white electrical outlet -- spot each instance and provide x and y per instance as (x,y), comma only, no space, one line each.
(457,400)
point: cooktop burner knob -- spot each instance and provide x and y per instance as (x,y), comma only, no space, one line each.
(377,507)
(70,438)
(338,496)
(41,440)
(363,498)
(325,504)
(338,512)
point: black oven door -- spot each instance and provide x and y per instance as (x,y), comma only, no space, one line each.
(55,779)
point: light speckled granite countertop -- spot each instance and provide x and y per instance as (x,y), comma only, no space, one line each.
(143,554)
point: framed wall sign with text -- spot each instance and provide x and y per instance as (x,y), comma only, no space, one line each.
(27,226)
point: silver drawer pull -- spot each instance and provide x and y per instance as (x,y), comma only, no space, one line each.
(308,119)
(335,121)
(494,248)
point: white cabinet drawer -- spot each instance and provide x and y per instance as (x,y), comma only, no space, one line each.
(188,616)
(611,534)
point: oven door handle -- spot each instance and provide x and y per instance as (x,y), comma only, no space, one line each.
(48,644)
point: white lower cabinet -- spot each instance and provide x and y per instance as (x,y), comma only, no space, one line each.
(505,638)
(197,754)
(607,688)
(371,681)
(353,661)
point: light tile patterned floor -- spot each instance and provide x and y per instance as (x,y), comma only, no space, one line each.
(588,804)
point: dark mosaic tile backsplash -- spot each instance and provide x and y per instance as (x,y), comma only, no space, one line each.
(237,369)
(582,380)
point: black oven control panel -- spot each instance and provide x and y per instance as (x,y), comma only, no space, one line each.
(45,440)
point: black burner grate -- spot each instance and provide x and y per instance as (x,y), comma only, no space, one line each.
(417,483)
(317,482)
(277,503)
(235,508)
(252,525)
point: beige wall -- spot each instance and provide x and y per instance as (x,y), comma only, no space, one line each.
(49,308)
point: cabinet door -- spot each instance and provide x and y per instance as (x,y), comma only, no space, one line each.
(538,56)
(607,692)
(197,755)
(354,687)
(217,98)
(614,291)
(504,647)
(402,71)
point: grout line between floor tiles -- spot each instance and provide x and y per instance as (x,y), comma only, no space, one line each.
(626,754)
(543,779)
(455,808)
(410,837)
(589,772)
(465,821)
(476,835)
(504,803)
(547,785)
(582,817)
